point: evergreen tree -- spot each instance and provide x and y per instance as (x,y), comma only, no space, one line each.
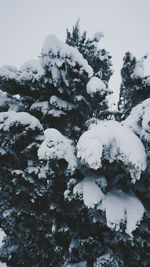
(135,87)
(98,59)
(70,182)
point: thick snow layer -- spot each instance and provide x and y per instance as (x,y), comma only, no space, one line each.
(92,122)
(139,120)
(113,142)
(56,52)
(95,85)
(139,69)
(32,65)
(11,118)
(56,147)
(89,191)
(58,103)
(120,208)
(9,72)
(31,70)
(123,208)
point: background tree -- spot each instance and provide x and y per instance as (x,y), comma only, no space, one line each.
(135,87)
(98,59)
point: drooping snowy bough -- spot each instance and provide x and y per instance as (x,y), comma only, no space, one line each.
(11,119)
(29,71)
(55,147)
(113,142)
(123,208)
(120,208)
(89,190)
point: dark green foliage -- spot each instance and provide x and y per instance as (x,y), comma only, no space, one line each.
(98,59)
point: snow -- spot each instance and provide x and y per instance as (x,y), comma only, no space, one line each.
(111,141)
(96,85)
(2,235)
(2,264)
(31,70)
(94,41)
(56,113)
(104,55)
(98,35)
(89,191)
(56,52)
(73,244)
(139,120)
(58,103)
(147,81)
(43,107)
(56,146)
(139,69)
(2,151)
(32,65)
(3,98)
(92,122)
(119,207)
(8,72)
(11,118)
(123,208)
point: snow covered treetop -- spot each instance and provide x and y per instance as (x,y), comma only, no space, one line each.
(31,69)
(8,72)
(139,68)
(98,35)
(139,120)
(111,141)
(56,146)
(12,118)
(54,48)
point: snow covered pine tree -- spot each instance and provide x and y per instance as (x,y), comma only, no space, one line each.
(135,87)
(71,193)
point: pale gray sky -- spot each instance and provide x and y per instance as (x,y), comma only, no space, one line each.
(24,24)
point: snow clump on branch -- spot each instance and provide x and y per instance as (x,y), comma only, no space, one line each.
(55,147)
(111,141)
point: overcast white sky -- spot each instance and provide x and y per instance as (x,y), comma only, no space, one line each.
(24,24)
